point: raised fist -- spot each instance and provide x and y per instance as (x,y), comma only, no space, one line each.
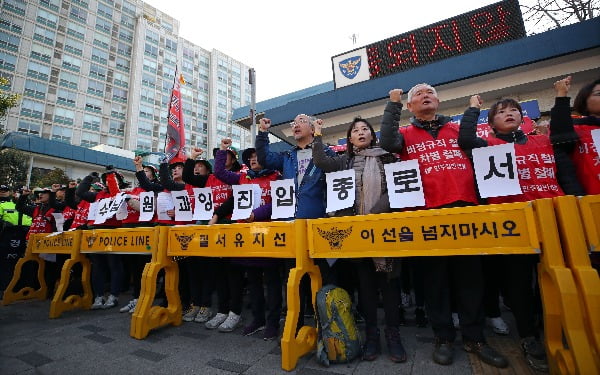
(264,124)
(396,95)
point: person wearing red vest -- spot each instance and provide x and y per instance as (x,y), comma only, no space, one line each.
(448,181)
(571,136)
(103,263)
(135,263)
(538,177)
(257,269)
(42,222)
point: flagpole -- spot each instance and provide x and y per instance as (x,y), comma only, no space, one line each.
(169,110)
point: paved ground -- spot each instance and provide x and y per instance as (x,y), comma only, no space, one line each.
(98,342)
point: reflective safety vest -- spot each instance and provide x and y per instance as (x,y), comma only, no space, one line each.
(9,214)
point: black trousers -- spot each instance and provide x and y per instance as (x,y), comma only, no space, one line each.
(12,248)
(270,277)
(230,286)
(461,277)
(514,275)
(370,282)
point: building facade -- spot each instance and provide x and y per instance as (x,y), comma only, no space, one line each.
(97,72)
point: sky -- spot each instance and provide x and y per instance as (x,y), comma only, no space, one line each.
(290,43)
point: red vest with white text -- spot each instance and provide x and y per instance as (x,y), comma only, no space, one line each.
(41,223)
(586,160)
(81,214)
(446,172)
(536,169)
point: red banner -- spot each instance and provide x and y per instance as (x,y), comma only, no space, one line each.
(175,130)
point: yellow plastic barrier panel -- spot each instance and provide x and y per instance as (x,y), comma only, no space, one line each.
(590,214)
(494,229)
(563,309)
(578,261)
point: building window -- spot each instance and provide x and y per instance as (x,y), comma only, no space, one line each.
(35,89)
(89,139)
(91,122)
(51,4)
(128,8)
(99,56)
(105,10)
(76,30)
(60,133)
(66,97)
(73,46)
(31,108)
(46,18)
(93,104)
(122,64)
(117,127)
(119,94)
(41,53)
(35,70)
(69,80)
(118,111)
(10,23)
(101,40)
(149,80)
(97,71)
(123,49)
(15,6)
(71,63)
(127,21)
(78,14)
(82,3)
(64,116)
(95,88)
(114,141)
(171,44)
(144,144)
(146,111)
(29,127)
(150,50)
(9,42)
(103,25)
(148,96)
(152,36)
(44,35)
(150,66)
(126,35)
(121,80)
(145,128)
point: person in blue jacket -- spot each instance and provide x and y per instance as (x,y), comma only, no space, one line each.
(309,180)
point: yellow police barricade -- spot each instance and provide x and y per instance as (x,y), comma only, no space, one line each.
(41,243)
(575,249)
(516,228)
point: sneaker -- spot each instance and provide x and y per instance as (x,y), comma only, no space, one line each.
(455,320)
(498,325)
(98,303)
(130,307)
(253,328)
(203,315)
(271,333)
(216,321)
(230,323)
(191,314)
(535,354)
(372,347)
(112,301)
(443,352)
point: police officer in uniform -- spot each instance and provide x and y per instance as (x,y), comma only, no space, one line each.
(13,228)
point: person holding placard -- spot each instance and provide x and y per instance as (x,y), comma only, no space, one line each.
(101,201)
(447,180)
(367,160)
(309,185)
(536,174)
(257,268)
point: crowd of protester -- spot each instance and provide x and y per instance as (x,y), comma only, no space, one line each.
(450,292)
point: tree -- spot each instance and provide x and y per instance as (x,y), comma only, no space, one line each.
(544,15)
(7,99)
(13,167)
(55,176)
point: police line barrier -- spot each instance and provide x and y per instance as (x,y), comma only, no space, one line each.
(517,228)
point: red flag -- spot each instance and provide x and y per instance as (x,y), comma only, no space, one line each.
(175,130)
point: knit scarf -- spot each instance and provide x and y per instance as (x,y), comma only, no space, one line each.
(368,177)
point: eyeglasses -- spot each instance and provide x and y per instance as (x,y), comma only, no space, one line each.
(299,122)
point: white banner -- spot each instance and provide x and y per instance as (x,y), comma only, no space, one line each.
(147,206)
(496,170)
(204,208)
(245,199)
(341,189)
(183,205)
(92,211)
(596,139)
(283,198)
